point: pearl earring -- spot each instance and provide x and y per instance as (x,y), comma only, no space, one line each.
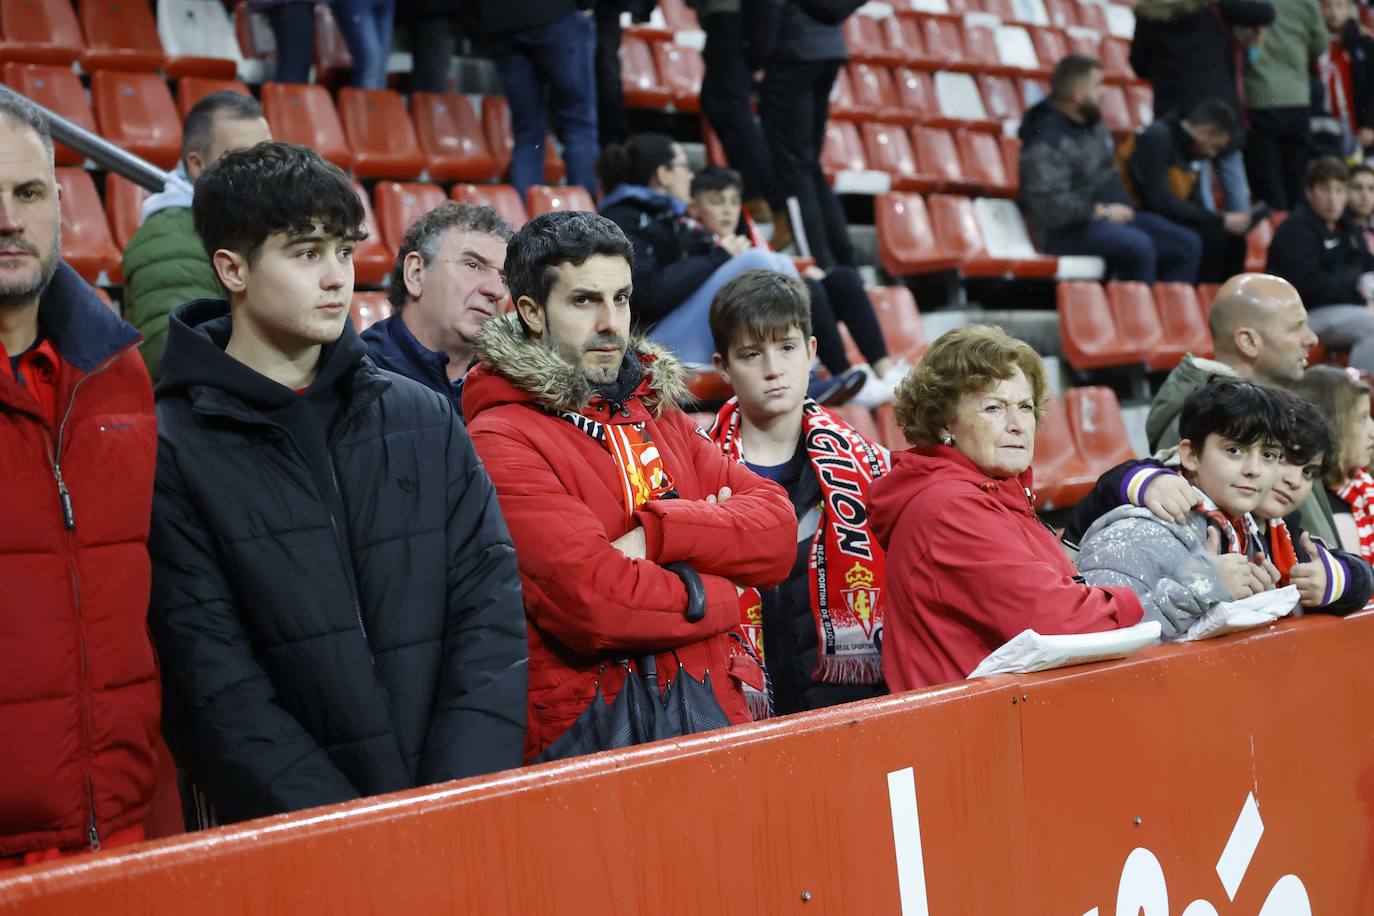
(947,440)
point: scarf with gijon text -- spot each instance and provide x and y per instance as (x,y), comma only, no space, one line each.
(1358,491)
(847,566)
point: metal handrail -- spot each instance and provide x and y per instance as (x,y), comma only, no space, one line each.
(96,148)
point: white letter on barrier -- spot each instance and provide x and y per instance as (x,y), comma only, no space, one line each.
(1142,886)
(906,836)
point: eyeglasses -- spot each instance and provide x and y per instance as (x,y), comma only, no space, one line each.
(478,267)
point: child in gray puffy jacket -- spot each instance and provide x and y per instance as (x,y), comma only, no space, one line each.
(1230,453)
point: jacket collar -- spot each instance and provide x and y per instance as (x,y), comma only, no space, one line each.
(78,324)
(645,197)
(1012,492)
(398,346)
(535,374)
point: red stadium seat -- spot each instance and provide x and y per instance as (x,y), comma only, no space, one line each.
(124,206)
(961,104)
(372,257)
(254,32)
(842,104)
(1011,156)
(639,77)
(1050,45)
(502,198)
(1140,99)
(957,230)
(889,433)
(715,150)
(1093,17)
(915,93)
(1088,331)
(944,40)
(86,242)
(936,154)
(903,35)
(906,241)
(40,32)
(866,42)
(681,70)
(58,89)
(367,309)
(191,89)
(981,155)
(198,39)
(1180,316)
(380,133)
(1257,246)
(332,58)
(1115,112)
(1136,317)
(843,150)
(305,114)
(1081,41)
(496,125)
(1000,96)
(1206,292)
(708,386)
(1098,429)
(899,318)
(1063,13)
(541,199)
(888,149)
(399,205)
(135,111)
(874,91)
(452,139)
(980,48)
(858,418)
(1115,54)
(120,35)
(1062,477)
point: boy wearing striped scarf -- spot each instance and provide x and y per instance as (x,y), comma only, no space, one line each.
(820,632)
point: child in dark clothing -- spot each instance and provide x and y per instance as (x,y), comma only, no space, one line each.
(820,632)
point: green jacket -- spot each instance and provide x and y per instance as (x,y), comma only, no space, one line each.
(1278,78)
(165,266)
(1161,430)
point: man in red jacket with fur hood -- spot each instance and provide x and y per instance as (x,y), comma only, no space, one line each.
(79,699)
(605,483)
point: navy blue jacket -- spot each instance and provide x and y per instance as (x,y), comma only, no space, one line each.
(392,347)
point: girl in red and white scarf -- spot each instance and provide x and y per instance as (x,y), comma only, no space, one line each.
(1342,396)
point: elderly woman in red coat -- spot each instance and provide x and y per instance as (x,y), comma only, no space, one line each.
(969,563)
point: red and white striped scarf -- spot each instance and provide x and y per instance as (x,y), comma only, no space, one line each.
(1358,491)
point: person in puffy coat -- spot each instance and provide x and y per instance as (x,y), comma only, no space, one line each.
(969,564)
(336,601)
(628,521)
(78,682)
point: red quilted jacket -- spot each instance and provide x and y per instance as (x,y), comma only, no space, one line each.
(588,605)
(79,697)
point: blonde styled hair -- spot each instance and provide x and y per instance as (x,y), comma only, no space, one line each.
(967,360)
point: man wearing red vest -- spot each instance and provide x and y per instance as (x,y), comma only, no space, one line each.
(79,698)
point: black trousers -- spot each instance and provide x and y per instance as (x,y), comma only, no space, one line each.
(433,39)
(794,99)
(1223,254)
(1276,154)
(840,297)
(727,89)
(610,97)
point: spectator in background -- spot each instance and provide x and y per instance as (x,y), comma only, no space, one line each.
(969,564)
(434,26)
(1360,208)
(1161,168)
(678,263)
(1343,399)
(632,528)
(819,650)
(293,32)
(1190,54)
(449,279)
(1181,568)
(79,693)
(610,97)
(546,55)
(795,49)
(1345,80)
(164,264)
(367,26)
(835,295)
(1071,189)
(727,91)
(335,595)
(1278,94)
(1319,250)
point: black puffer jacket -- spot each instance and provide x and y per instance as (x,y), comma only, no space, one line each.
(673,256)
(781,31)
(336,602)
(1323,265)
(1066,168)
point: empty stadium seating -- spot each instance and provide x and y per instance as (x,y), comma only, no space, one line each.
(1088,331)
(379,134)
(1137,320)
(191,89)
(305,114)
(502,198)
(135,111)
(1099,430)
(858,418)
(124,207)
(120,35)
(1185,328)
(888,148)
(373,256)
(889,432)
(367,309)
(398,205)
(681,69)
(496,125)
(957,230)
(198,38)
(1062,476)
(906,241)
(639,76)
(33,31)
(86,242)
(984,165)
(899,318)
(58,89)
(541,199)
(936,154)
(451,138)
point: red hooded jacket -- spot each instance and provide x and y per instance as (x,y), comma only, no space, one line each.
(587,604)
(970,565)
(79,697)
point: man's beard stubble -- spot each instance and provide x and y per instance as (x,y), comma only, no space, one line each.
(14,296)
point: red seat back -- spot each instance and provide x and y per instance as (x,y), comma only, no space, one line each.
(888,149)
(541,199)
(305,114)
(872,85)
(502,198)
(944,40)
(1062,13)
(332,58)
(864,39)
(639,78)
(980,47)
(1000,96)
(1061,476)
(678,16)
(380,134)
(1257,243)
(58,89)
(1114,110)
(373,256)
(1098,428)
(843,150)
(906,240)
(858,418)
(982,158)
(1180,316)
(900,321)
(1087,329)
(955,226)
(40,32)
(367,309)
(1011,157)
(889,432)
(124,206)
(936,154)
(915,93)
(1133,310)
(120,35)
(496,125)
(135,111)
(191,89)
(86,242)
(452,139)
(399,205)
(681,69)
(1115,54)
(1050,46)
(842,97)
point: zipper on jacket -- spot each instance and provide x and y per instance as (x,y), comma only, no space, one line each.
(348,563)
(94,834)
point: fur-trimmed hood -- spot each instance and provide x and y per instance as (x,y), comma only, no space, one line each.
(535,373)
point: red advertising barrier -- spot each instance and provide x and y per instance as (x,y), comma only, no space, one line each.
(1229,777)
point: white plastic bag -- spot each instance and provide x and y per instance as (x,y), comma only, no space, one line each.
(1256,611)
(1029,651)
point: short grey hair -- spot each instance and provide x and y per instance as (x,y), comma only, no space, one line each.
(21,112)
(426,234)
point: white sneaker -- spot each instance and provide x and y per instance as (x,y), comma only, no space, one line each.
(876,390)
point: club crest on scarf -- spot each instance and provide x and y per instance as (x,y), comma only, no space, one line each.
(643,476)
(862,596)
